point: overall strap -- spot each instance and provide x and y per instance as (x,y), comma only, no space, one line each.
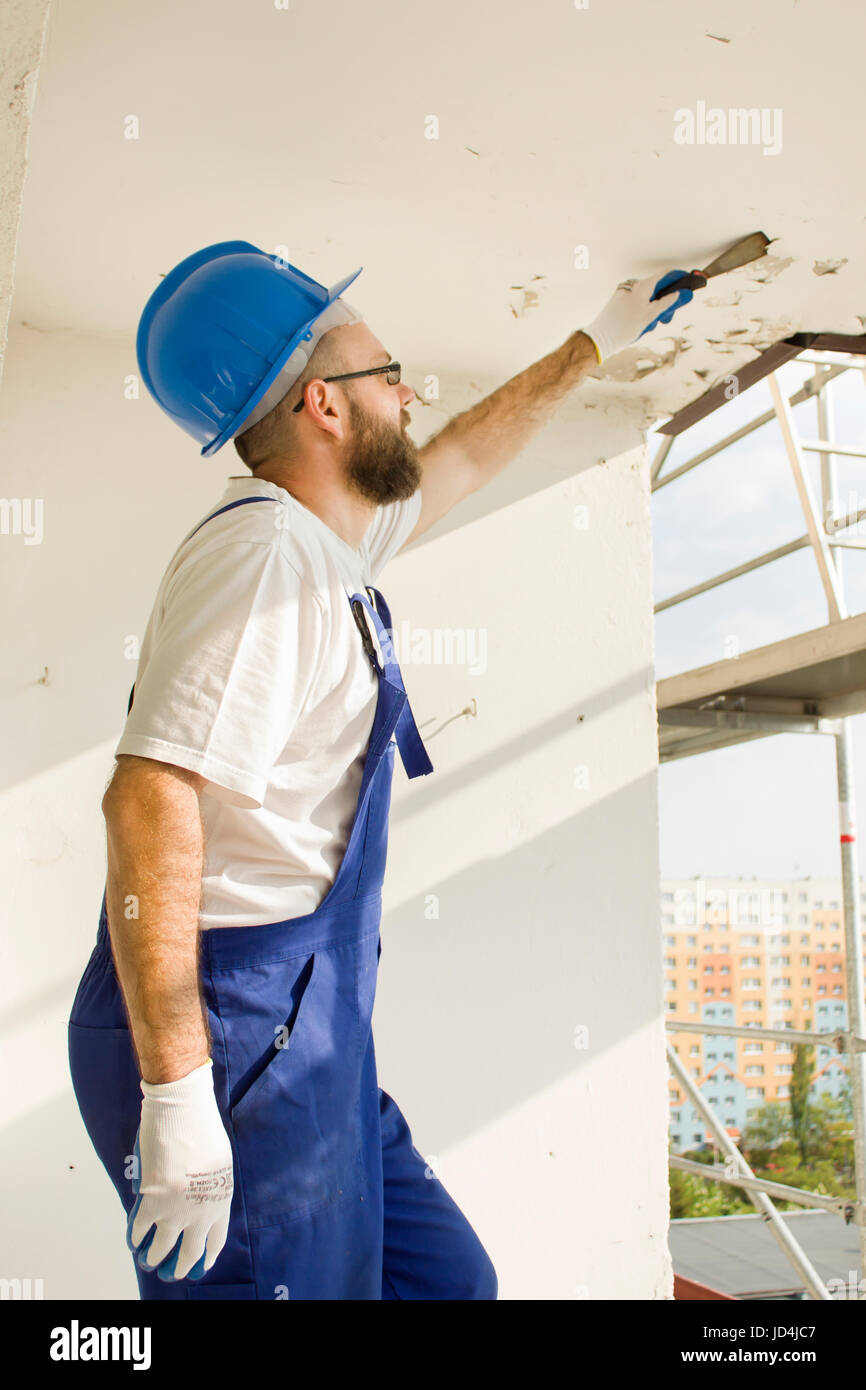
(409,741)
(241,502)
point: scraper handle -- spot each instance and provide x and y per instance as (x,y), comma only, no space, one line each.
(695,280)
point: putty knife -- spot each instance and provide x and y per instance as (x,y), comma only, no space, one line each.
(751,248)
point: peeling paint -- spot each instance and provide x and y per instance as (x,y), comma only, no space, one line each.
(828,267)
(530,297)
(771,267)
(626,367)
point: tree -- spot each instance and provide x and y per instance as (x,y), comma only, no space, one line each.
(771,1124)
(801,1080)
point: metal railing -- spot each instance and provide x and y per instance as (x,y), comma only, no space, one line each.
(822,536)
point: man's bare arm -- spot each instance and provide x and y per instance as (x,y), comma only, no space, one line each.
(155,859)
(474,446)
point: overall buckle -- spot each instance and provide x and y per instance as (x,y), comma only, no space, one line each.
(361,623)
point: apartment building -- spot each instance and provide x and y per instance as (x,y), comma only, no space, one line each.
(766,953)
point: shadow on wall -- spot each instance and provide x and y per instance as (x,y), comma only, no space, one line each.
(526,949)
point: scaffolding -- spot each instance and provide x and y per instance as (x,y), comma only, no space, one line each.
(812,684)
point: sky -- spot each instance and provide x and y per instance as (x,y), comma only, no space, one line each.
(767,808)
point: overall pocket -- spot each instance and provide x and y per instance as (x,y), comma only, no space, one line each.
(296,1123)
(105,1079)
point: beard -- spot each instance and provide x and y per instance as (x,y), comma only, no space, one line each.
(382,464)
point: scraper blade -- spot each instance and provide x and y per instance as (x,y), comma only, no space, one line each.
(750,248)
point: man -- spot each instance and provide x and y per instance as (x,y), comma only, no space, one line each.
(220,1041)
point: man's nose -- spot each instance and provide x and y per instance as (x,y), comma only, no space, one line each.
(407,394)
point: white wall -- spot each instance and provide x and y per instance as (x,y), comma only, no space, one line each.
(546,892)
(22,35)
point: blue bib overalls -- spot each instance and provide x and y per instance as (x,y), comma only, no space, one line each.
(331,1200)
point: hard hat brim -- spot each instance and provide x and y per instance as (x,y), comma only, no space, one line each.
(249,405)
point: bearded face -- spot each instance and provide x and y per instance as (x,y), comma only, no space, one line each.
(381,463)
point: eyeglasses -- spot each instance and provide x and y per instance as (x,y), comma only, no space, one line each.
(391,369)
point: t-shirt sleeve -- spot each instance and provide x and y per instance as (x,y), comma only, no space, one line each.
(389,530)
(232,659)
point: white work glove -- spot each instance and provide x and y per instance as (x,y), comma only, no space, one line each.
(631,312)
(185,1177)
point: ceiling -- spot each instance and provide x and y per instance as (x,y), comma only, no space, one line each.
(304,128)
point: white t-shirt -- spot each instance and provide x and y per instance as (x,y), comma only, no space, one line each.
(252,673)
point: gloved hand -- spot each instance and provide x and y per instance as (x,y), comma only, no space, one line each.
(184,1177)
(631,312)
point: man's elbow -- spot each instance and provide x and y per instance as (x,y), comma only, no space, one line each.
(141,781)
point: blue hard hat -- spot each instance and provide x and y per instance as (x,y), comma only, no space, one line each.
(217,331)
